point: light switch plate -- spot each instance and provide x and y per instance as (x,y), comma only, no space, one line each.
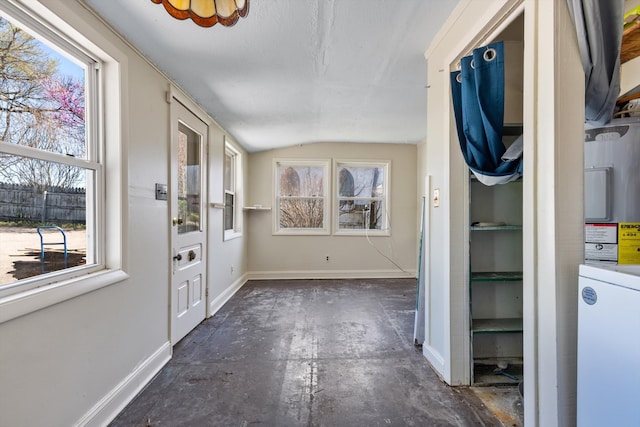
(161,191)
(436,197)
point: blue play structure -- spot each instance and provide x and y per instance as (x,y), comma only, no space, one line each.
(43,243)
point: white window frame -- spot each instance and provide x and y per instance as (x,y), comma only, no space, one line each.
(325,165)
(104,194)
(385,229)
(236,231)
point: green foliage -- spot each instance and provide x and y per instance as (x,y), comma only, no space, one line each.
(33,224)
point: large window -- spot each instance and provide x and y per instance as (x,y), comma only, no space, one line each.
(362,197)
(231,187)
(51,171)
(301,197)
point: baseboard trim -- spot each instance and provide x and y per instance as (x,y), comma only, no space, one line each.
(221,299)
(435,360)
(331,274)
(117,399)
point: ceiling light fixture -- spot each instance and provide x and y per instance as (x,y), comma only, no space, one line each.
(207,13)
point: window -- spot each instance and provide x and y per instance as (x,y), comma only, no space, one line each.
(301,197)
(231,180)
(362,197)
(51,172)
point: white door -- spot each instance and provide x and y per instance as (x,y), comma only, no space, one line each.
(188,240)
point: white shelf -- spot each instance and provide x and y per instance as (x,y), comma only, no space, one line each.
(495,227)
(497,326)
(256,208)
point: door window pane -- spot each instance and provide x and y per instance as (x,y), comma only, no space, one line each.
(189,179)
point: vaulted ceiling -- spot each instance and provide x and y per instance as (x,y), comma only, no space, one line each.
(297,71)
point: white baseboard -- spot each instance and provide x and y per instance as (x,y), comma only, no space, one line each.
(435,360)
(331,274)
(115,401)
(221,299)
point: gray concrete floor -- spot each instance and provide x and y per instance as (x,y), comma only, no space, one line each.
(306,353)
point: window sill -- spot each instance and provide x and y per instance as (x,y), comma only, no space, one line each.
(301,233)
(22,303)
(231,235)
(362,233)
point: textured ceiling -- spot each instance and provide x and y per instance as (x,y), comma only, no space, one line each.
(297,71)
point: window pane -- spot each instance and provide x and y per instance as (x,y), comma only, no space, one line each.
(42,95)
(189,186)
(48,197)
(228,172)
(301,196)
(361,197)
(361,181)
(228,211)
(360,214)
(302,213)
(306,181)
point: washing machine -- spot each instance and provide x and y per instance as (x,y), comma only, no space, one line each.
(608,346)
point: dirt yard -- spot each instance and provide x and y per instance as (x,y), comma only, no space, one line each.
(20,252)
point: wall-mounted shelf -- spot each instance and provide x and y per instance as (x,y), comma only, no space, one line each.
(497,276)
(495,227)
(512,129)
(256,208)
(497,326)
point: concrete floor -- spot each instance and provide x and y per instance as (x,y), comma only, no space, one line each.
(306,353)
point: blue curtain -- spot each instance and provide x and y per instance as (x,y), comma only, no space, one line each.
(478,102)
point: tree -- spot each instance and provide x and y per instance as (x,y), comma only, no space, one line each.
(302,205)
(38,109)
(360,197)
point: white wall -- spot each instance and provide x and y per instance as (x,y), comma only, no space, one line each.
(350,256)
(553,211)
(228,259)
(80,361)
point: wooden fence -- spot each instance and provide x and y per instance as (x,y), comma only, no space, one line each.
(56,205)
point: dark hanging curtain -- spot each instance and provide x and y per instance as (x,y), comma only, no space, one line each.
(599,25)
(478,102)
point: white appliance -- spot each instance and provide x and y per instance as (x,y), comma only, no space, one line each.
(609,346)
(612,190)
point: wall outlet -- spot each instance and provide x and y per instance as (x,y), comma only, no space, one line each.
(326,258)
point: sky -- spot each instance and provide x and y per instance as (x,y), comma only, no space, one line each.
(66,67)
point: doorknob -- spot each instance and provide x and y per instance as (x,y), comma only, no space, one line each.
(177,221)
(178,257)
(192,255)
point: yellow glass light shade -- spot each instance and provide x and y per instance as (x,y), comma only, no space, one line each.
(207,13)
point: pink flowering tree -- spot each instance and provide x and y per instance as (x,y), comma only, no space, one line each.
(39,108)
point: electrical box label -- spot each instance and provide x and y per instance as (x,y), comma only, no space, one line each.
(629,243)
(589,295)
(601,251)
(601,233)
